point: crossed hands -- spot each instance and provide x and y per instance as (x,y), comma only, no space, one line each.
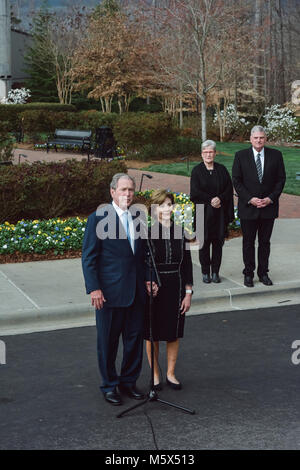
(216,202)
(260,203)
(154,288)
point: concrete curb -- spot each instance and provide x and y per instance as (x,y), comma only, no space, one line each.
(240,298)
(73,316)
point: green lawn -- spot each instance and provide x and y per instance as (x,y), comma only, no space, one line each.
(225,155)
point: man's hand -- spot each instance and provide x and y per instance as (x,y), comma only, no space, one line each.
(260,203)
(154,288)
(98,299)
(255,201)
(265,202)
(216,202)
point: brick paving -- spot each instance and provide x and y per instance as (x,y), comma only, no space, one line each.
(289,204)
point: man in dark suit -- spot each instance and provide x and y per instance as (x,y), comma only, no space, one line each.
(113,263)
(258,176)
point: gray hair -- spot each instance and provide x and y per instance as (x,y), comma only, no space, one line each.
(208,143)
(117,177)
(258,129)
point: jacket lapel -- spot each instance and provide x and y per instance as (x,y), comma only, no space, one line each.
(267,161)
(252,165)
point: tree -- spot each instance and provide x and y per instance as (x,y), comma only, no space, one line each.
(113,60)
(39,59)
(49,60)
(192,52)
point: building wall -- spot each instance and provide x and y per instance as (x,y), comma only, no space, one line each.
(19,44)
(5,48)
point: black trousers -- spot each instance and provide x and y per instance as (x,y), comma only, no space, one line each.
(263,229)
(112,322)
(211,261)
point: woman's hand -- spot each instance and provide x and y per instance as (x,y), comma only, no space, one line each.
(216,202)
(98,299)
(186,303)
(154,288)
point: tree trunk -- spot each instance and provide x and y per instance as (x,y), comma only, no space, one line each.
(180,114)
(203,117)
(282,64)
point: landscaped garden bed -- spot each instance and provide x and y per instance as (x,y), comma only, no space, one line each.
(58,238)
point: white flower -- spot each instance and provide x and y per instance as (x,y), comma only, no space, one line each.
(17,96)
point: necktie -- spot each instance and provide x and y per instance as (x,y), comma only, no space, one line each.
(259,167)
(126,226)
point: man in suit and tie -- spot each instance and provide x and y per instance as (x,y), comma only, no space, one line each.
(258,176)
(113,263)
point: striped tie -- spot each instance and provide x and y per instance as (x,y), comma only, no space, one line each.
(259,167)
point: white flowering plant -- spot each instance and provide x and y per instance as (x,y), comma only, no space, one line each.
(17,96)
(281,125)
(230,120)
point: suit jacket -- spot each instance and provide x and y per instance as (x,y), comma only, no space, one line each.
(247,185)
(108,261)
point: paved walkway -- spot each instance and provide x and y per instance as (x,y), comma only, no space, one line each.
(47,295)
(289,204)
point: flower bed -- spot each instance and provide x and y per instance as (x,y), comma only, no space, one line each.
(62,237)
(40,236)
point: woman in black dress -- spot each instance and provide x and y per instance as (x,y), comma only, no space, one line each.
(173,300)
(211,185)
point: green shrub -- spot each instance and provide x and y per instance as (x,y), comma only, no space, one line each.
(39,121)
(179,147)
(133,131)
(6,143)
(10,112)
(46,190)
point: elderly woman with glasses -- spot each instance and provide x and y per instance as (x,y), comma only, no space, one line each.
(211,185)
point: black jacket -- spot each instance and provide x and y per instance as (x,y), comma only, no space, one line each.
(247,185)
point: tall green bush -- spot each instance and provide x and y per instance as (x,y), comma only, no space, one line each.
(134,131)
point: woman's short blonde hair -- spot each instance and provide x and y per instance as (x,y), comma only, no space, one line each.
(160,195)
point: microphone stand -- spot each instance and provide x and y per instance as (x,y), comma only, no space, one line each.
(152,394)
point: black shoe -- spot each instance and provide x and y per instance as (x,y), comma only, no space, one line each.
(265,280)
(113,398)
(248,281)
(215,278)
(206,278)
(158,387)
(131,391)
(173,385)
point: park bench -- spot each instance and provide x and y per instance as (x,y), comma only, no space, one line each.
(68,138)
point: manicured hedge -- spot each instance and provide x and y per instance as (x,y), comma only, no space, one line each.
(47,190)
(39,121)
(10,113)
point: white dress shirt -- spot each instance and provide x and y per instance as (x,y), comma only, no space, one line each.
(120,213)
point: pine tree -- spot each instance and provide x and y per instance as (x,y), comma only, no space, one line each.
(39,60)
